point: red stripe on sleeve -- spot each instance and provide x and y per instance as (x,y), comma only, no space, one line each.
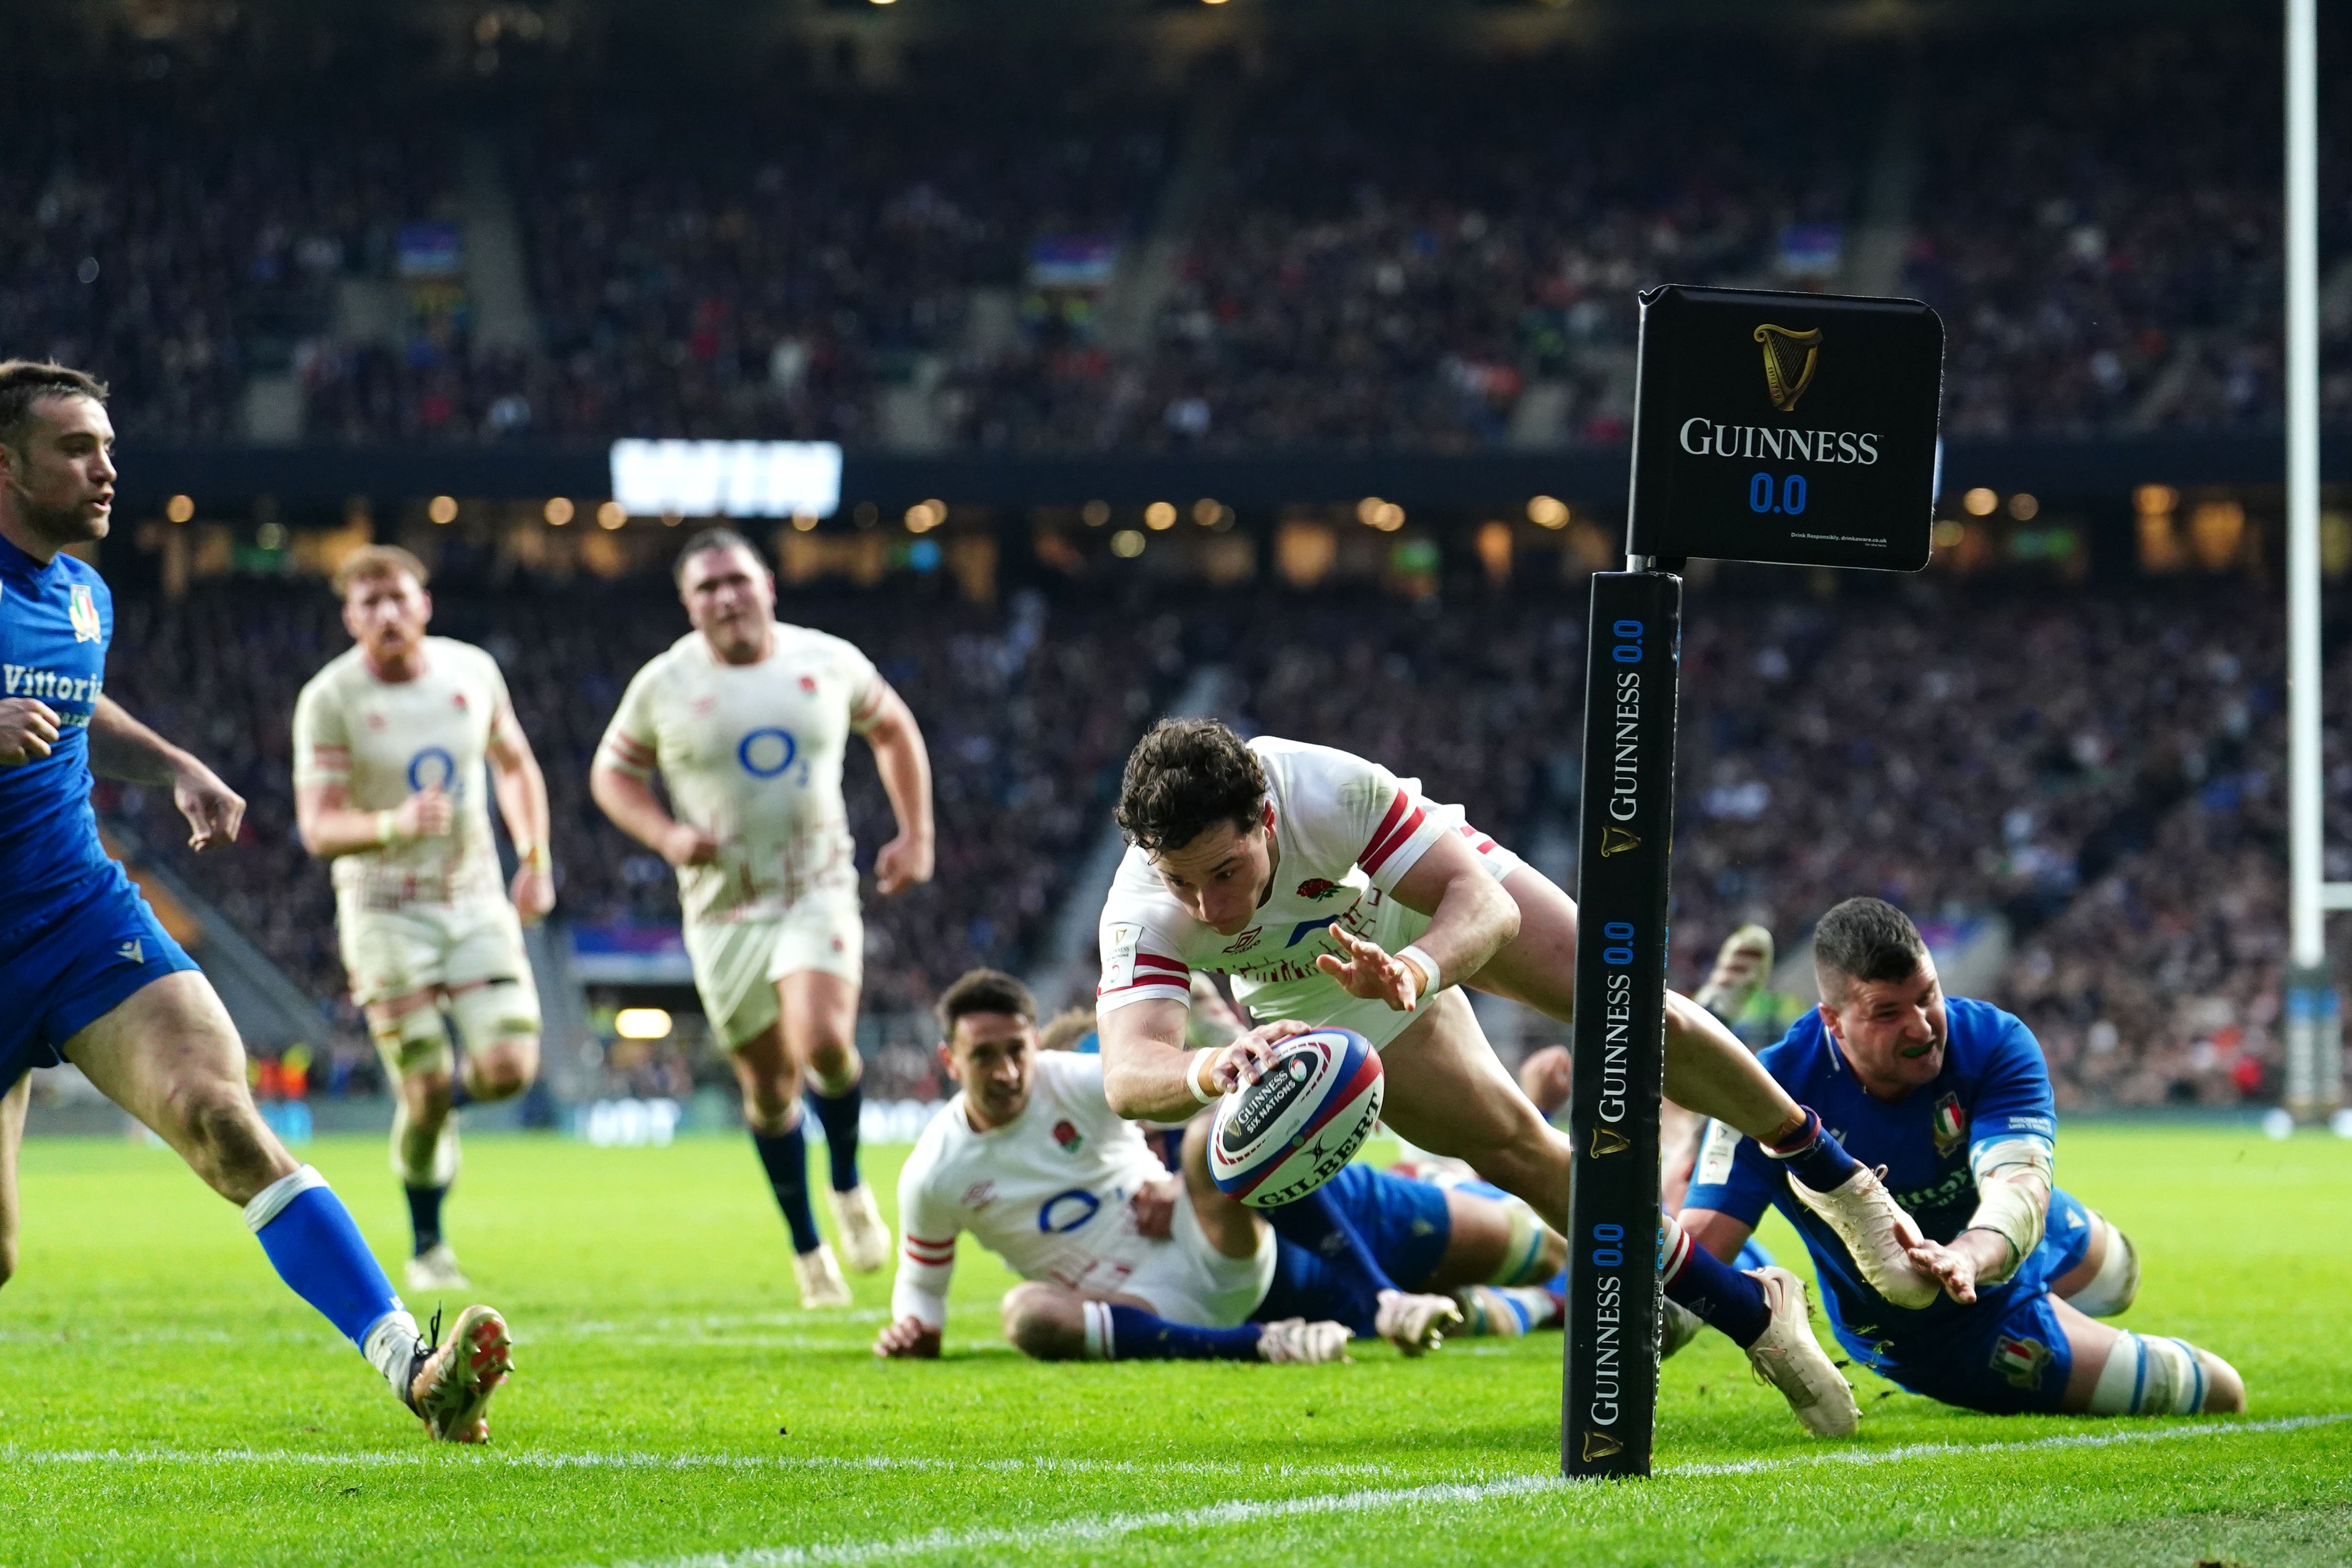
(1396,809)
(1156,962)
(1380,852)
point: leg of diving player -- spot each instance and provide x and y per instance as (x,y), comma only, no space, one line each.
(1710,1073)
(12,1133)
(819,1013)
(2117,1373)
(769,1076)
(169,1055)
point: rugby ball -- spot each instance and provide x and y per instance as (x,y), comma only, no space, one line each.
(1277,1140)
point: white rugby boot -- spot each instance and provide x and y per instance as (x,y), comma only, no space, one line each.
(1742,964)
(451,1383)
(1789,1358)
(1295,1341)
(865,1239)
(822,1285)
(436,1269)
(1415,1324)
(1876,1231)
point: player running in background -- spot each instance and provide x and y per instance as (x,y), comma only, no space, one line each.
(88,974)
(1125,1261)
(1954,1097)
(390,739)
(1332,892)
(747,722)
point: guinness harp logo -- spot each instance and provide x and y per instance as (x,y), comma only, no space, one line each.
(1606,1141)
(1789,361)
(1615,840)
(1599,1445)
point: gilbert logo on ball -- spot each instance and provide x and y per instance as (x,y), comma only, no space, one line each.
(1279,1139)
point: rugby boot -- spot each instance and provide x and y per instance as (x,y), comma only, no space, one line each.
(1791,1360)
(1741,966)
(1415,1324)
(1677,1328)
(1876,1231)
(451,1383)
(436,1269)
(822,1285)
(865,1239)
(1295,1341)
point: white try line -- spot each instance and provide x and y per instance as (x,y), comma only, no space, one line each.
(1113,1526)
(531,1460)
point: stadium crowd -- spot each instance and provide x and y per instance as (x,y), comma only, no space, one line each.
(1378,252)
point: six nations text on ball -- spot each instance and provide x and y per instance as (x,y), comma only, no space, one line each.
(1790,428)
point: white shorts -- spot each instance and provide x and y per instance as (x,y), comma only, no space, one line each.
(1322,1002)
(391,953)
(738,962)
(1186,1280)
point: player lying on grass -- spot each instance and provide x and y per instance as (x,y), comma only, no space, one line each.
(87,973)
(1127,1262)
(747,722)
(1332,892)
(394,742)
(1999,1312)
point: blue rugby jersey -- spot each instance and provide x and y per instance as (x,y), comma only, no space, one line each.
(56,622)
(1994,1086)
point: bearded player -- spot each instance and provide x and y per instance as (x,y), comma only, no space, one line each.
(747,721)
(393,743)
(89,974)
(1333,892)
(1953,1097)
(1124,1261)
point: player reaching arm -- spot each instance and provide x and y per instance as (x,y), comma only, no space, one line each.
(746,720)
(90,977)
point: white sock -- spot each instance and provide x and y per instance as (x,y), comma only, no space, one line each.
(391,1345)
(1098,1331)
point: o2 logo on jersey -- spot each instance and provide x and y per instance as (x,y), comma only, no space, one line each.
(764,753)
(1066,1211)
(432,768)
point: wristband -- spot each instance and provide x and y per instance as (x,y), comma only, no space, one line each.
(1193,1074)
(535,858)
(1423,961)
(387,827)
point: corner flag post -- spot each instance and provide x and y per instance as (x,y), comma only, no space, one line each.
(1723,465)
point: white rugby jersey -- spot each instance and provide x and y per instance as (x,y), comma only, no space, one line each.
(385,740)
(1047,1192)
(752,754)
(1346,831)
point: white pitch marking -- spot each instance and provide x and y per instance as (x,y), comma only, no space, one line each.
(1110,1527)
(529,1459)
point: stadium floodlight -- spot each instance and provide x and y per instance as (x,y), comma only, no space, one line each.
(727,478)
(1796,429)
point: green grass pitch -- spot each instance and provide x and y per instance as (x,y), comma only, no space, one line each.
(163,1399)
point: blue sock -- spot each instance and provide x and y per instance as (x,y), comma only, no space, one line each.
(1315,1223)
(1719,1294)
(785,1159)
(1812,1156)
(315,1247)
(1138,1335)
(837,1114)
(425,1216)
(460,1096)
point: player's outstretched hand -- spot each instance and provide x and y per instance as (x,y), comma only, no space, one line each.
(28,731)
(214,811)
(901,863)
(1246,1059)
(1954,1267)
(686,845)
(427,814)
(907,1339)
(533,892)
(1154,1208)
(1370,971)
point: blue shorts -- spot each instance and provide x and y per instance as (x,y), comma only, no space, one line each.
(2015,1359)
(1404,1224)
(70,966)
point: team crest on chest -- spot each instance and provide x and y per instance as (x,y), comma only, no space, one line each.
(1318,887)
(1949,1124)
(81,608)
(2020,1359)
(1066,1136)
(808,684)
(459,698)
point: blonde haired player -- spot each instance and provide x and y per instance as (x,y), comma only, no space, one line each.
(391,743)
(747,721)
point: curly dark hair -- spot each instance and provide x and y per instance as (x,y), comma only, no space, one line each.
(1184,778)
(984,991)
(1866,940)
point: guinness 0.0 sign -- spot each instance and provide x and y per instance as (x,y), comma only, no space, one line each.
(1796,429)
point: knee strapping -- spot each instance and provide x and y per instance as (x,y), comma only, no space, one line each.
(501,1010)
(2116,1283)
(418,1041)
(1523,1255)
(440,1168)
(2145,1375)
